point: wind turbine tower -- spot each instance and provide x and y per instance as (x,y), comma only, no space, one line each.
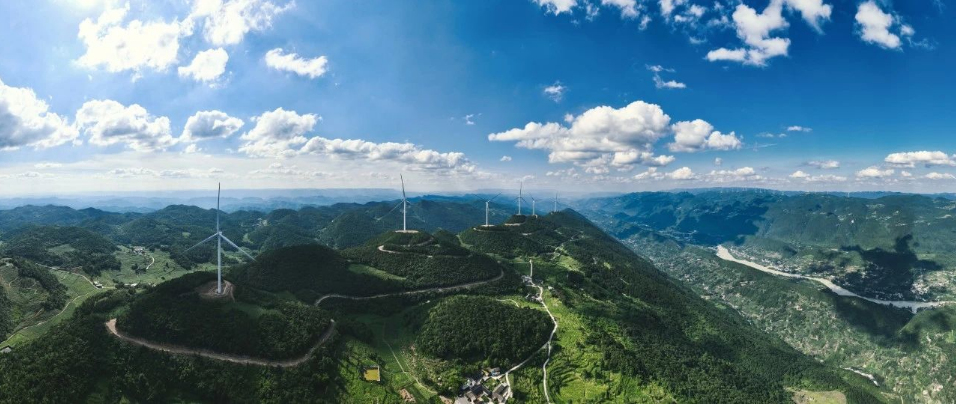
(520,188)
(533,203)
(219,239)
(487,205)
(404,205)
(555,203)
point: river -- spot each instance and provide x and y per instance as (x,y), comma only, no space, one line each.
(724,254)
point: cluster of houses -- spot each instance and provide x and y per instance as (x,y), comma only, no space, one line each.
(486,387)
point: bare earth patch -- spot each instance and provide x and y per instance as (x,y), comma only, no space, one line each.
(818,397)
(208,291)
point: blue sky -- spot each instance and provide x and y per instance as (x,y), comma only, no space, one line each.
(590,95)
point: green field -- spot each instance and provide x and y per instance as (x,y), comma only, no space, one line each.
(162,270)
(78,290)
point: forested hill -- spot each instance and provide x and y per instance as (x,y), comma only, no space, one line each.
(646,328)
(627,331)
(887,247)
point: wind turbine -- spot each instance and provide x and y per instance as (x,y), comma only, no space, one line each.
(404,205)
(555,203)
(487,204)
(219,239)
(520,188)
(533,203)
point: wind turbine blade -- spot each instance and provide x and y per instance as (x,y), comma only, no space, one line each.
(489,201)
(389,212)
(403,187)
(226,239)
(218,192)
(199,243)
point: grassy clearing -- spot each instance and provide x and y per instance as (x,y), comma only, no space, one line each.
(378,273)
(400,366)
(818,397)
(78,290)
(162,270)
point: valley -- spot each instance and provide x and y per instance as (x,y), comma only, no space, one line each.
(591,322)
(906,346)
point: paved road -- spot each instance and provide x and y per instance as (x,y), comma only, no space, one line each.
(439,289)
(245,360)
(180,350)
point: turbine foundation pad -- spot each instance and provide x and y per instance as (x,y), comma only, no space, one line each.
(208,291)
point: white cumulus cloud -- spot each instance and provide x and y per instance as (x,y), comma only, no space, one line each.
(411,155)
(228,22)
(798,128)
(824,164)
(291,62)
(557,6)
(135,46)
(876,26)
(696,135)
(207,66)
(278,133)
(601,133)
(875,172)
(26,121)
(555,91)
(926,158)
(758,30)
(108,122)
(940,176)
(210,124)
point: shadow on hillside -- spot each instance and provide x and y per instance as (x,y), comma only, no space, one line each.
(728,224)
(888,274)
(883,324)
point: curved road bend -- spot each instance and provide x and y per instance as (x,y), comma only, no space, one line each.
(181,350)
(245,360)
(439,289)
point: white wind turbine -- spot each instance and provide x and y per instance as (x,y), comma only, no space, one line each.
(555,203)
(404,206)
(520,196)
(533,203)
(219,239)
(487,206)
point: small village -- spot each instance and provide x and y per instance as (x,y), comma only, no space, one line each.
(484,387)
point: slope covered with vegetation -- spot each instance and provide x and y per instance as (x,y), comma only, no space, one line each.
(908,355)
(254,324)
(72,247)
(508,333)
(423,260)
(627,332)
(309,271)
(892,247)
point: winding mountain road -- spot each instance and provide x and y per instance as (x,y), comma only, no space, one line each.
(244,360)
(439,289)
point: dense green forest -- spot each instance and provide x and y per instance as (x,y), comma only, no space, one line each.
(77,361)
(830,235)
(423,260)
(62,246)
(472,329)
(309,271)
(56,292)
(6,315)
(628,331)
(255,324)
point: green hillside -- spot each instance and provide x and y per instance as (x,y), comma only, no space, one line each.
(627,332)
(843,331)
(508,333)
(892,247)
(423,260)
(252,324)
(309,271)
(68,247)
